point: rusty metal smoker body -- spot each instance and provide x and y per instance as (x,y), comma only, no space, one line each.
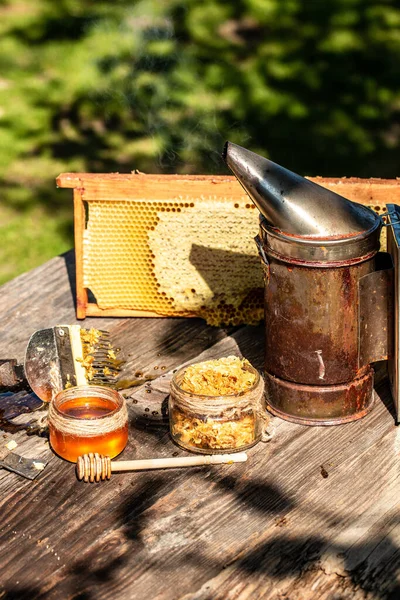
(327,297)
(315,316)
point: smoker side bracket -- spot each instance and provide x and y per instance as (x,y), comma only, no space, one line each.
(376,312)
(393,242)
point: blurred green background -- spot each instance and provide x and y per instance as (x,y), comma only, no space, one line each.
(159,86)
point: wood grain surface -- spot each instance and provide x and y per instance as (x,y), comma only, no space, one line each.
(313,514)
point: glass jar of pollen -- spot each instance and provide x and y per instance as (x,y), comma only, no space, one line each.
(88,418)
(217,406)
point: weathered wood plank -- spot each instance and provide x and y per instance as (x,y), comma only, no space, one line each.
(113,186)
(274,527)
(254,503)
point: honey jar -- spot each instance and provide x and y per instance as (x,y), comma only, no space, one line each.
(217,422)
(88,418)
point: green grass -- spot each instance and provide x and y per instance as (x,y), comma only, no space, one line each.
(31,237)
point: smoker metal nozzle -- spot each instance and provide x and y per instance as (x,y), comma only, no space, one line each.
(292,203)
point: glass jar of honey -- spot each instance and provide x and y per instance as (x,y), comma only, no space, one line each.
(86,419)
(229,417)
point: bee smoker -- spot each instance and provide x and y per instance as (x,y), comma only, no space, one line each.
(328,294)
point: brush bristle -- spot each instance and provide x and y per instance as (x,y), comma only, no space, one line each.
(100,358)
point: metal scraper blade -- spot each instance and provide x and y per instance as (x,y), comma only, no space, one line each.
(22,466)
(42,365)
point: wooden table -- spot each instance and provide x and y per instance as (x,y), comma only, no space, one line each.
(312,514)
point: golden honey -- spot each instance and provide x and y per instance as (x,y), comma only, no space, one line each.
(88,419)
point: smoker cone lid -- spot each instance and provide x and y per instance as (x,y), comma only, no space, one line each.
(294,205)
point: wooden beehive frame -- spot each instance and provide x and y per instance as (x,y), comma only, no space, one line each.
(375,193)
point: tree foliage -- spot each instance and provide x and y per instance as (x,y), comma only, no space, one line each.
(159,85)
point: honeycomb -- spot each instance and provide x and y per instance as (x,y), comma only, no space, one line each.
(168,257)
(174,245)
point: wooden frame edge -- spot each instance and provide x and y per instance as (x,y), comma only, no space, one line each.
(93,310)
(79,228)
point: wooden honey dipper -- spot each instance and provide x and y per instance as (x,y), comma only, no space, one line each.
(93,467)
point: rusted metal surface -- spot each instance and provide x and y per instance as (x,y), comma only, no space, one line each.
(325,253)
(315,321)
(320,405)
(311,322)
(376,312)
